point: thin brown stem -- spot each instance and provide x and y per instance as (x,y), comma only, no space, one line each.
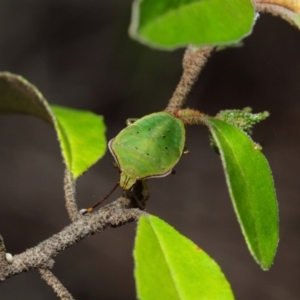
(287,13)
(69,188)
(55,284)
(193,61)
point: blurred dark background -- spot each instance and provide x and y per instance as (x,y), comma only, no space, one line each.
(79,54)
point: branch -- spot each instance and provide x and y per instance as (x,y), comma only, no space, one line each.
(191,116)
(289,14)
(5,258)
(293,5)
(115,214)
(2,249)
(2,246)
(193,61)
(69,187)
(55,284)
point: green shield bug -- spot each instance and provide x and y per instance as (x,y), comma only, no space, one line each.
(149,147)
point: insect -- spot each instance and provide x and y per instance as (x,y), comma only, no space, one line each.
(149,147)
(138,194)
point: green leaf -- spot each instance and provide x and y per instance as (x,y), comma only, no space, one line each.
(81,134)
(170,266)
(251,188)
(171,24)
(82,137)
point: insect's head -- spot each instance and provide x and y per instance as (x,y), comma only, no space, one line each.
(128,179)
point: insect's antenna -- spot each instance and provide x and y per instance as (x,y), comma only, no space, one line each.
(90,209)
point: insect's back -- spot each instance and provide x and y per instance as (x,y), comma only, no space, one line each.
(150,147)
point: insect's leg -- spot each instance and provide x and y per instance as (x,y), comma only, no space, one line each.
(115,165)
(138,193)
(146,192)
(139,203)
(130,121)
(186,150)
(90,209)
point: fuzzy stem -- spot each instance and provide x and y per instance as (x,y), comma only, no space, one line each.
(2,249)
(55,284)
(193,61)
(190,116)
(286,13)
(41,256)
(293,5)
(69,188)
(194,120)
(2,245)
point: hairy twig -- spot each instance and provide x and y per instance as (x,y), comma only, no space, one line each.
(293,5)
(193,61)
(191,116)
(286,13)
(41,256)
(5,258)
(69,187)
(55,284)
(2,249)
